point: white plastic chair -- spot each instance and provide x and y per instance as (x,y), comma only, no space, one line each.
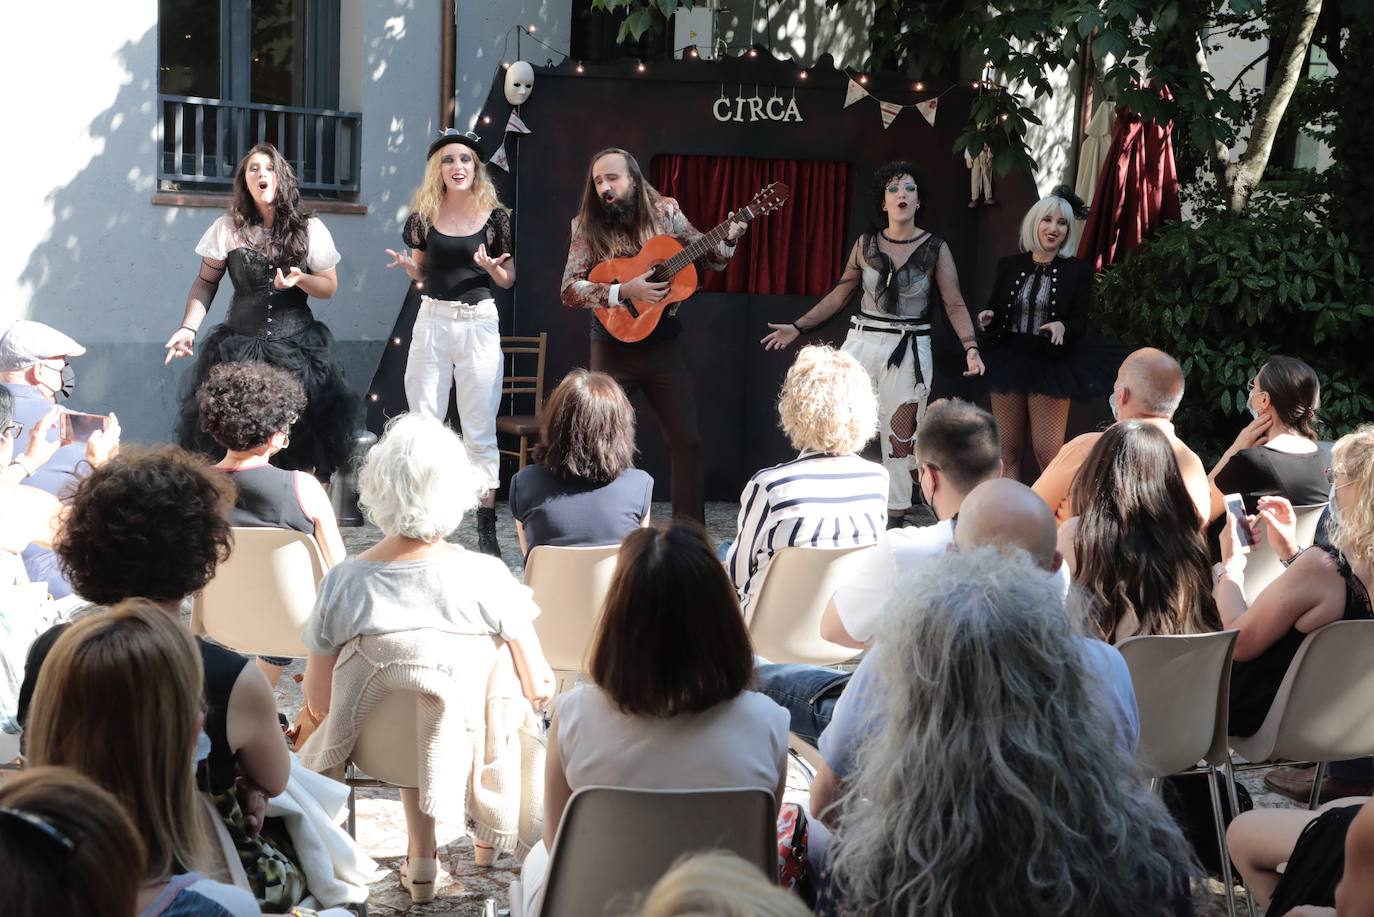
(1324,708)
(784,614)
(261,596)
(1182,689)
(614,843)
(570,586)
(1262,564)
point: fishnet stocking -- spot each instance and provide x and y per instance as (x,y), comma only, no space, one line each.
(1046,419)
(902,427)
(1009,409)
(1049,417)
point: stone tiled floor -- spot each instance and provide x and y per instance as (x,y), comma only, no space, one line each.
(381,824)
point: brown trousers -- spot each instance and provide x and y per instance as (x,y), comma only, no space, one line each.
(658,370)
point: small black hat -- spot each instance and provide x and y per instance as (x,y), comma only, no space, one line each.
(453,135)
(1066,194)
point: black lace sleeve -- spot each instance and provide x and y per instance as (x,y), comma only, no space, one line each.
(499,241)
(414,232)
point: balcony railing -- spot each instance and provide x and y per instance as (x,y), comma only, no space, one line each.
(202,140)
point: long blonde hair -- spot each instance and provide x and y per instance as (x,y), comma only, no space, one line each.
(1352,532)
(429,196)
(116,701)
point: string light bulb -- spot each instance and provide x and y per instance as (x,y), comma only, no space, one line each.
(691,52)
(374,397)
(975,85)
(802,75)
(486,119)
(580,68)
(504,65)
(396,342)
(753,52)
(863,79)
(920,87)
(532,28)
(1002,117)
(640,67)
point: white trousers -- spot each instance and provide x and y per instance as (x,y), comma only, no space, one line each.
(457,344)
(896,387)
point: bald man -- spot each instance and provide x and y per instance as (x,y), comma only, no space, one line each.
(1149,387)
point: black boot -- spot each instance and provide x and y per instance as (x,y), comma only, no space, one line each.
(486,531)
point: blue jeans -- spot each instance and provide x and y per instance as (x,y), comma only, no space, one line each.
(807,692)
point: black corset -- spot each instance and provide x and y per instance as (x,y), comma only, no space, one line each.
(258,308)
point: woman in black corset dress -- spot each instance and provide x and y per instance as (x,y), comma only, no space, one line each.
(458,244)
(277,255)
(1036,339)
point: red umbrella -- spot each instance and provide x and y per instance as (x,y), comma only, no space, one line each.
(1136,191)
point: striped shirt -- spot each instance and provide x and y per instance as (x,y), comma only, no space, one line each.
(820,501)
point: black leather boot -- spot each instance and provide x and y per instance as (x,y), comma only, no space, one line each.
(486,531)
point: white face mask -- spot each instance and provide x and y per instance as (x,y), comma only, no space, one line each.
(1116,408)
(1250,406)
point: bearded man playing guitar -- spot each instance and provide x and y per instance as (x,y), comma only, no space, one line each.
(621,212)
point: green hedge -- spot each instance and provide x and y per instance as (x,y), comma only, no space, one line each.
(1226,292)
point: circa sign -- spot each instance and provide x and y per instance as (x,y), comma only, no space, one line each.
(743,108)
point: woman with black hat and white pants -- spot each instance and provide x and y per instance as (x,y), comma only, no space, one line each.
(458,237)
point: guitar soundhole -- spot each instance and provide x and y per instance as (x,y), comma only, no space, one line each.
(660,275)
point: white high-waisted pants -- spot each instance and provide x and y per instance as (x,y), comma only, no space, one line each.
(459,344)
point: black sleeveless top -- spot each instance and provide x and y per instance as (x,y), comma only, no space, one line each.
(267,500)
(1255,682)
(222,667)
(258,307)
(450,272)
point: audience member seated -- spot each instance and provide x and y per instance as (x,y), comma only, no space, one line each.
(716,883)
(1277,452)
(973,770)
(1135,548)
(153,523)
(584,490)
(408,613)
(67,847)
(1320,586)
(827,496)
(956,449)
(35,369)
(1149,387)
(668,708)
(119,702)
(248,408)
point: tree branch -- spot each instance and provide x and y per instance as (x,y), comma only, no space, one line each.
(1218,156)
(1247,69)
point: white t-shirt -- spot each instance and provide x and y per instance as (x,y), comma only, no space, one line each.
(220,239)
(860,600)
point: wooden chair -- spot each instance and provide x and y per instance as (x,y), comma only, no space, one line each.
(523,426)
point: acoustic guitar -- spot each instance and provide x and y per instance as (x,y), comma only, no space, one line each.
(671,263)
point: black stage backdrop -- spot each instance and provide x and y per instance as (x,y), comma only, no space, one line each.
(668,109)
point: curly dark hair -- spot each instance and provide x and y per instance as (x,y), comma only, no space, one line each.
(888,171)
(242,404)
(151,523)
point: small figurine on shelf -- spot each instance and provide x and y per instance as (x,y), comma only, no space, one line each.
(980,177)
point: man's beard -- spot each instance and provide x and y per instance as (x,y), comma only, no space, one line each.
(618,211)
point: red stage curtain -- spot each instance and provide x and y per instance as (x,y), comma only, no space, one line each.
(796,250)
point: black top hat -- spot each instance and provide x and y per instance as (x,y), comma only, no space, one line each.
(453,135)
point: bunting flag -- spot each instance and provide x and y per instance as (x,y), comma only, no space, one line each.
(889,112)
(927,109)
(854,93)
(498,158)
(514,124)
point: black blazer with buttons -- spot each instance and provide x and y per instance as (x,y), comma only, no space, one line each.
(1071,291)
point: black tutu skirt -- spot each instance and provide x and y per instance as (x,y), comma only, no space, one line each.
(1027,364)
(322,439)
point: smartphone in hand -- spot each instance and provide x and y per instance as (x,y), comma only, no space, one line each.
(1236,518)
(77,427)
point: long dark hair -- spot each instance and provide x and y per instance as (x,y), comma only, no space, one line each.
(1294,391)
(671,639)
(588,429)
(289,238)
(1139,548)
(591,219)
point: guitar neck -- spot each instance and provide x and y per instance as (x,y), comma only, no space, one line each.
(706,243)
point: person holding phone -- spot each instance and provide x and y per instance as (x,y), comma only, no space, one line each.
(278,255)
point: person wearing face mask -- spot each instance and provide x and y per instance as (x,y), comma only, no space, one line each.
(278,255)
(904,271)
(1275,454)
(620,212)
(1035,331)
(458,244)
(35,371)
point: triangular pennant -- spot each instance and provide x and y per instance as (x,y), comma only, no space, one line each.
(854,93)
(513,123)
(927,110)
(889,112)
(498,158)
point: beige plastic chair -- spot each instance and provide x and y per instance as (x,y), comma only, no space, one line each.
(570,586)
(784,615)
(1262,564)
(614,843)
(260,598)
(1182,689)
(387,749)
(1324,709)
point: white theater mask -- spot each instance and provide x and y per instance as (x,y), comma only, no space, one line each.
(519,82)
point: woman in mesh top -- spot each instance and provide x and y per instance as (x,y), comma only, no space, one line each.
(903,269)
(277,254)
(458,238)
